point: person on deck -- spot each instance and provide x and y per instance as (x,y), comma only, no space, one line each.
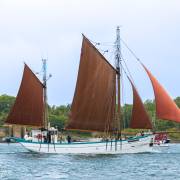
(27,137)
(142,133)
(49,137)
(69,139)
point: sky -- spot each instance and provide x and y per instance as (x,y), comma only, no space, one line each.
(52,29)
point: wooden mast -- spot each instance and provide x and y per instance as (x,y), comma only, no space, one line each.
(117,60)
(46,121)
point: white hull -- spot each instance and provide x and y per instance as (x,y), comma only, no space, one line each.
(139,146)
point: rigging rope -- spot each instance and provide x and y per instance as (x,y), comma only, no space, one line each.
(130,50)
(130,76)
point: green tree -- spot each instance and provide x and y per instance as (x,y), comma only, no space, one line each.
(58,115)
(6,103)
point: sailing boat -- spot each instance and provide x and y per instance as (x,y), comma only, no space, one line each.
(96,107)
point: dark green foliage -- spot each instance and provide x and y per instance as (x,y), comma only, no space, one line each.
(177,100)
(6,103)
(160,125)
(126,115)
(58,115)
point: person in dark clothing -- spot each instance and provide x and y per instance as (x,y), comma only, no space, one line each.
(69,139)
(142,133)
(45,139)
(49,137)
(151,143)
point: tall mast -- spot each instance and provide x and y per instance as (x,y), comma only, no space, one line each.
(46,122)
(118,62)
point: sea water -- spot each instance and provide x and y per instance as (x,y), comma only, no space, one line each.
(18,164)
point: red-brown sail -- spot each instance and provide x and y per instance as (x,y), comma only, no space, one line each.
(140,118)
(29,105)
(165,107)
(93,107)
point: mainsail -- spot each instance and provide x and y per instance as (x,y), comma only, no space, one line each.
(28,108)
(93,107)
(140,118)
(165,106)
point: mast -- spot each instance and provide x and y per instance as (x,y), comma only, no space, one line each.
(117,61)
(46,121)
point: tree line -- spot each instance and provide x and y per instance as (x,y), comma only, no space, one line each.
(159,124)
(58,115)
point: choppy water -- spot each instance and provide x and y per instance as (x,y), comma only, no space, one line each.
(17,163)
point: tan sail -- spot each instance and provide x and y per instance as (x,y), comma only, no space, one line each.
(140,118)
(29,106)
(93,107)
(165,106)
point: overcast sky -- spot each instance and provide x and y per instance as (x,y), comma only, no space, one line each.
(34,29)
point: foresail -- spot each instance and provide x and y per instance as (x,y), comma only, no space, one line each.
(140,118)
(29,105)
(93,107)
(165,107)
